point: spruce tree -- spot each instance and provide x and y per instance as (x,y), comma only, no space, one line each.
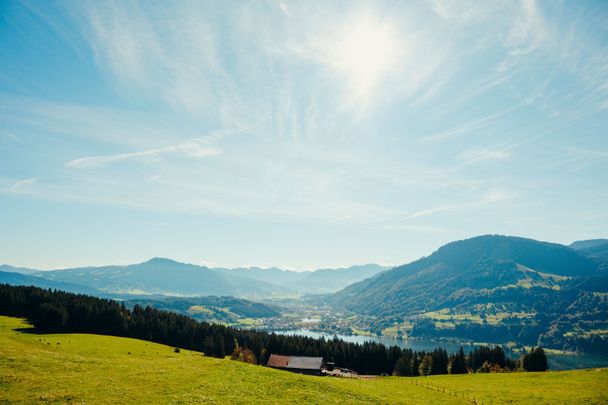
(536,360)
(458,363)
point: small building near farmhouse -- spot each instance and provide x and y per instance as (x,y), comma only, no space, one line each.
(297,364)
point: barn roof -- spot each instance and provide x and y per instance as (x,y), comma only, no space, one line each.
(276,360)
(312,363)
(299,362)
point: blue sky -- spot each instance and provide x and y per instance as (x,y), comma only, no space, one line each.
(297,134)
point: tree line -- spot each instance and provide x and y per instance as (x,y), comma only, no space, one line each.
(57,311)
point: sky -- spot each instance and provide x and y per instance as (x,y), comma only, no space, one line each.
(297,134)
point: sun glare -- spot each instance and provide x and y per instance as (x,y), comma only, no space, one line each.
(365,50)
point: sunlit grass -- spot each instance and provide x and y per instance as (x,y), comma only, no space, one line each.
(80,368)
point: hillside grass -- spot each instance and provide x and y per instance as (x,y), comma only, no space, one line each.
(94,369)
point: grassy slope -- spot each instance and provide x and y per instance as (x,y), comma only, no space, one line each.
(99,369)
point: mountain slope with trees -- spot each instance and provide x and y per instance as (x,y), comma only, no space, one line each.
(492,288)
(227,310)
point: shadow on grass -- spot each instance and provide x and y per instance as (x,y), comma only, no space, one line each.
(32,330)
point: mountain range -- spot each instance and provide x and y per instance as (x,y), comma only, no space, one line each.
(163,276)
(309,282)
(494,288)
(489,288)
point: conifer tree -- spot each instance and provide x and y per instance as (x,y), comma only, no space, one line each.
(535,360)
(458,363)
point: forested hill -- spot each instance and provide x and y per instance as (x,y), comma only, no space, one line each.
(494,288)
(480,263)
(226,310)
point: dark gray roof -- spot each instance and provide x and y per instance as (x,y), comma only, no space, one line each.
(308,363)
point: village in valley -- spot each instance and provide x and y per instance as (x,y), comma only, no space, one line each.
(305,314)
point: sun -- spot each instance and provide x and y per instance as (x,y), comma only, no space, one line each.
(365,49)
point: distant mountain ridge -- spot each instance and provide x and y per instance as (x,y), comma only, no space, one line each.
(168,277)
(332,280)
(20,270)
(271,275)
(596,248)
(588,244)
(20,279)
(310,282)
(155,276)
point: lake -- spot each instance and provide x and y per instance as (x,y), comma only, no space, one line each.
(556,361)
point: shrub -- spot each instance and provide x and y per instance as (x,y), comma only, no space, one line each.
(243,354)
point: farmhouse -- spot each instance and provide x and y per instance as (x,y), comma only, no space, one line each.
(297,364)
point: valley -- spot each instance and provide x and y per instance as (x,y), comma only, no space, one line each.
(510,291)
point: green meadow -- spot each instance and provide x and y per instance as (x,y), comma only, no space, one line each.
(94,369)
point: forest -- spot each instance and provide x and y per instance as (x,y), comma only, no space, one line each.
(54,311)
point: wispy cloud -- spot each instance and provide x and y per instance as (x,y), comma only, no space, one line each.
(169,53)
(468,127)
(113,126)
(406,221)
(528,31)
(465,12)
(21,185)
(400,226)
(10,136)
(480,154)
(577,159)
(490,197)
(195,148)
